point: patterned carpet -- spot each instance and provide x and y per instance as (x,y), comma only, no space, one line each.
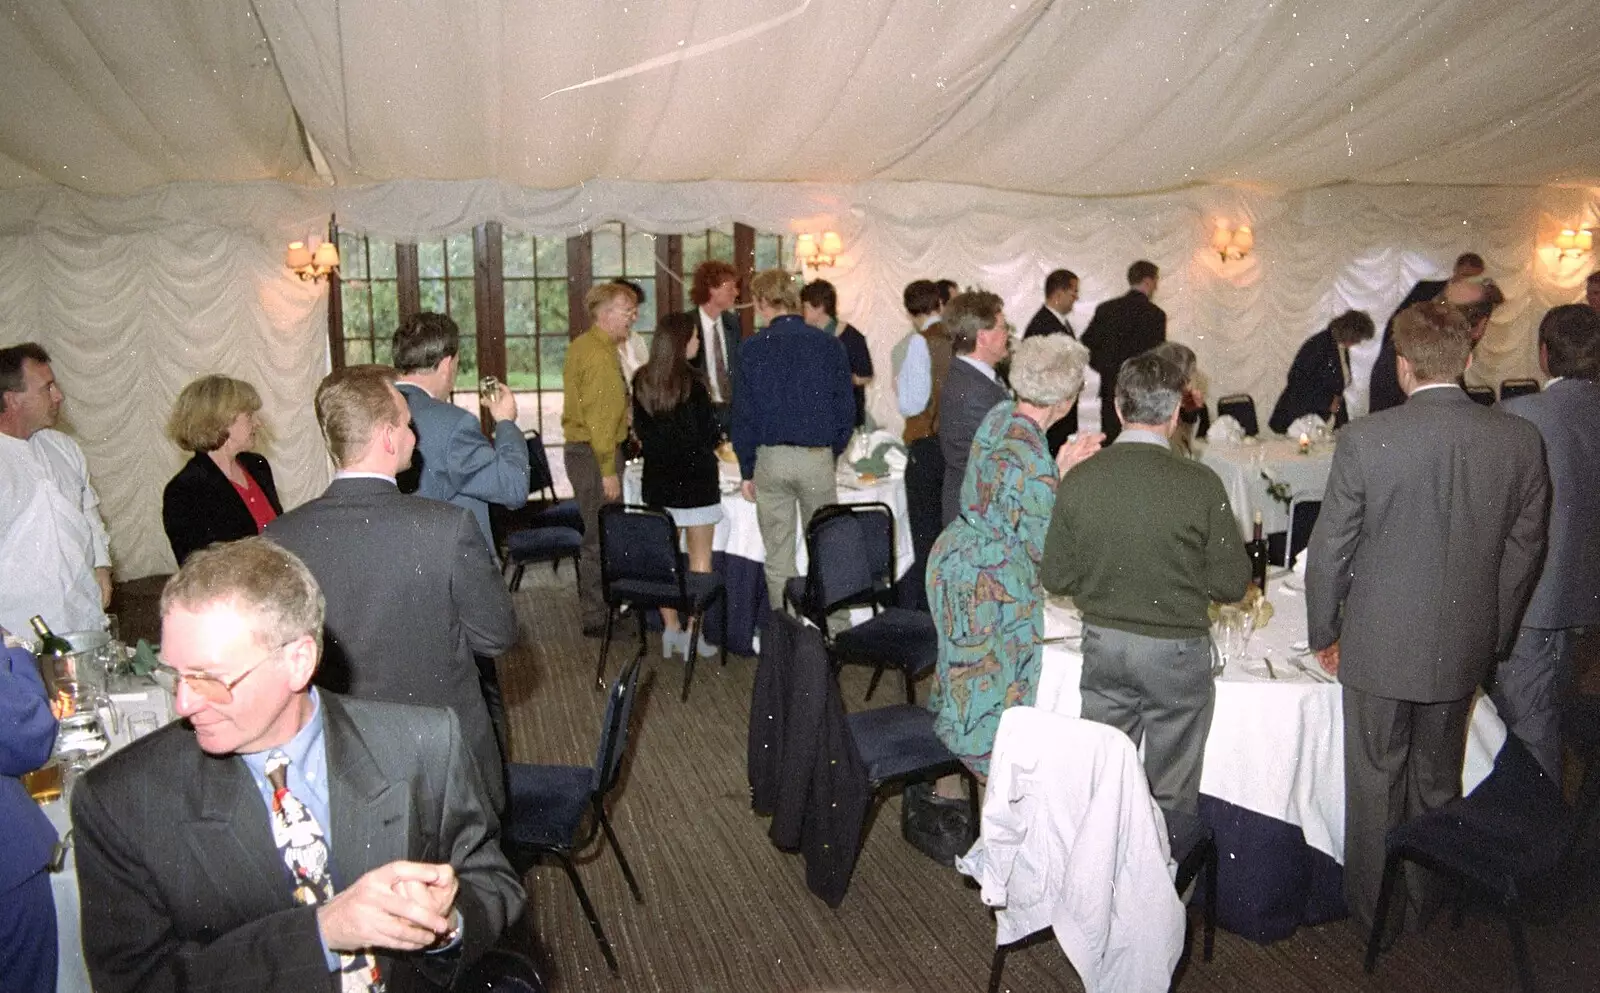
(725,911)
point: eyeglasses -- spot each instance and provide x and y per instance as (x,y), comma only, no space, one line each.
(215,689)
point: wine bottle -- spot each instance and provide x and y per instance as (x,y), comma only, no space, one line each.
(50,643)
(1257,550)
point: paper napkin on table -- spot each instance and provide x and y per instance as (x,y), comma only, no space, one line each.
(1225,431)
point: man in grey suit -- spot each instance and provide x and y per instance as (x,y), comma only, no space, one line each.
(454,461)
(980,337)
(412,591)
(186,838)
(1531,685)
(1427,546)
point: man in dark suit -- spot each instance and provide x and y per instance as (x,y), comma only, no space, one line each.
(412,592)
(1121,329)
(27,905)
(1532,684)
(1385,391)
(1060,294)
(281,838)
(714,292)
(980,338)
(1427,546)
(1320,372)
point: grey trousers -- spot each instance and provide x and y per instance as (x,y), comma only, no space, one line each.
(583,470)
(1401,759)
(1158,691)
(791,484)
(1530,687)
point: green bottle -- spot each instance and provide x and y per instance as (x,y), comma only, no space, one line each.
(50,643)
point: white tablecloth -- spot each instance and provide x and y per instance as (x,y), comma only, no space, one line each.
(1276,747)
(1240,468)
(72,975)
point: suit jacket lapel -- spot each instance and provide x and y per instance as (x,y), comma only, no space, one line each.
(232,839)
(370,815)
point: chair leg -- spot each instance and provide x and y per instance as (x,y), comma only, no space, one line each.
(588,910)
(997,965)
(622,860)
(516,578)
(1212,859)
(1519,946)
(690,654)
(724,645)
(911,689)
(973,813)
(605,649)
(644,637)
(1391,871)
(872,687)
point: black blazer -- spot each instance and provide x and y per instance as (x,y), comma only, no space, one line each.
(680,459)
(183,887)
(200,507)
(1315,379)
(1120,329)
(1045,322)
(1384,389)
(732,335)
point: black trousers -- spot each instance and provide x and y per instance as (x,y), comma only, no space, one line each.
(924,493)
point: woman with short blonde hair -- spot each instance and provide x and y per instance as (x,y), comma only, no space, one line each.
(225,492)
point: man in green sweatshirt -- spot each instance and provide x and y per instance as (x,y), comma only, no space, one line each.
(1144,540)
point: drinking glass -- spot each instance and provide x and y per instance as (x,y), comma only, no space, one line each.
(141,724)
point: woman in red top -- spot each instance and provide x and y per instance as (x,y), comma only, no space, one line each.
(226,491)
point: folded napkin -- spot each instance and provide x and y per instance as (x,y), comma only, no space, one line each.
(1225,431)
(1310,425)
(877,454)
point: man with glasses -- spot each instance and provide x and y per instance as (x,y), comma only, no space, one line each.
(280,836)
(412,593)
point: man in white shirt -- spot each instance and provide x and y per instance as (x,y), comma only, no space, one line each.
(714,292)
(919,377)
(54,551)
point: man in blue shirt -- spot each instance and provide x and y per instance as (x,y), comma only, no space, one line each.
(280,834)
(793,415)
(27,907)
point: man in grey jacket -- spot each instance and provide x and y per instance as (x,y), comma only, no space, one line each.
(980,337)
(1531,685)
(1426,549)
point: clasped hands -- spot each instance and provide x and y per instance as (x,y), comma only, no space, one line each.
(405,906)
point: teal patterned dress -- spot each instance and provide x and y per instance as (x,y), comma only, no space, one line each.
(983,585)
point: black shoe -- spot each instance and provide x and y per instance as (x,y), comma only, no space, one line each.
(938,827)
(596,630)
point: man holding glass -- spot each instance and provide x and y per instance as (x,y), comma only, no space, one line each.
(281,837)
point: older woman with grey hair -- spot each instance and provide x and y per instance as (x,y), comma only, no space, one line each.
(983,572)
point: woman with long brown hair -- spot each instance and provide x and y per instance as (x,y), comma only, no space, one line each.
(678,434)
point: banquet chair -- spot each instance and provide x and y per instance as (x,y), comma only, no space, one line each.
(1303,516)
(533,544)
(546,806)
(1241,408)
(851,553)
(552,511)
(642,567)
(1510,839)
(1518,388)
(1481,394)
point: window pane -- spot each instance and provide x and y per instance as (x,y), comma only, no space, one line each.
(352,256)
(383,351)
(520,315)
(647,310)
(694,253)
(431,296)
(767,248)
(721,246)
(641,254)
(552,360)
(380,258)
(430,259)
(467,370)
(522,372)
(553,307)
(550,255)
(385,310)
(462,307)
(460,255)
(605,252)
(357,351)
(355,310)
(516,254)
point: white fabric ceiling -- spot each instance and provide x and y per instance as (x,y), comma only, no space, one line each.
(1094,98)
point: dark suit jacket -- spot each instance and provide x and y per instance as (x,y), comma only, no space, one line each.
(184,889)
(1567,415)
(199,505)
(456,463)
(1120,329)
(412,594)
(966,399)
(1045,322)
(27,734)
(1427,546)
(732,335)
(1384,388)
(1316,379)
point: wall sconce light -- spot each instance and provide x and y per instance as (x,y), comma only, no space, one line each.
(314,263)
(809,253)
(1232,243)
(1570,244)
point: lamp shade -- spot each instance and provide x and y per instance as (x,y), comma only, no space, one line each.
(1567,240)
(299,256)
(326,256)
(1584,241)
(831,245)
(1244,240)
(805,248)
(1221,237)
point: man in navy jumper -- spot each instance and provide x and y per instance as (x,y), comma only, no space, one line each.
(793,415)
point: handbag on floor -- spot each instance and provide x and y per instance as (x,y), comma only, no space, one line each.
(936,826)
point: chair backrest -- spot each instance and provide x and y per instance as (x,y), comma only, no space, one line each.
(852,557)
(1481,394)
(1518,388)
(540,479)
(614,728)
(1242,408)
(639,544)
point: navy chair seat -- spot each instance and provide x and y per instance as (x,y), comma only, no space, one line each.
(549,801)
(703,587)
(895,742)
(542,544)
(905,638)
(560,514)
(1242,408)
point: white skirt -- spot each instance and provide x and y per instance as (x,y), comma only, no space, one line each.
(688,517)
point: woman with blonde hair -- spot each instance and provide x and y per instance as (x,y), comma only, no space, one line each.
(225,492)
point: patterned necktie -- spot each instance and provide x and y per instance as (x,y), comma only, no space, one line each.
(300,841)
(719,360)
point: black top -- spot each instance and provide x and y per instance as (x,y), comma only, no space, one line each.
(680,459)
(1383,390)
(1046,322)
(200,506)
(1316,380)
(1120,329)
(860,358)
